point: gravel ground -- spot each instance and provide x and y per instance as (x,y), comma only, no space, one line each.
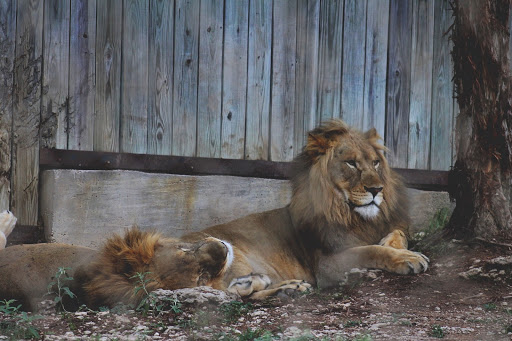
(451,300)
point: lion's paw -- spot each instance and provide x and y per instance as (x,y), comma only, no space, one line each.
(410,262)
(246,285)
(7,222)
(290,288)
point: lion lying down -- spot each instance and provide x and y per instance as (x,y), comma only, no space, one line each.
(348,209)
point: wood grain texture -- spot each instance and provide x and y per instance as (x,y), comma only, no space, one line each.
(258,80)
(209,97)
(134,85)
(186,55)
(399,82)
(442,86)
(26,111)
(234,85)
(283,81)
(376,66)
(421,84)
(306,87)
(55,100)
(160,76)
(7,47)
(82,75)
(108,75)
(330,60)
(354,42)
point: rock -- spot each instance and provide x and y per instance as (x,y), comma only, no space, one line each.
(198,295)
(503,260)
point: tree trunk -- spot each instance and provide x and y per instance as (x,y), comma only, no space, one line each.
(481,179)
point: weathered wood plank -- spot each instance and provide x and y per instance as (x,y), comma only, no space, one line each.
(209,98)
(399,81)
(421,84)
(354,39)
(160,76)
(283,80)
(442,87)
(134,86)
(186,55)
(108,75)
(330,60)
(55,101)
(376,66)
(7,47)
(82,77)
(308,12)
(84,160)
(26,111)
(258,82)
(234,87)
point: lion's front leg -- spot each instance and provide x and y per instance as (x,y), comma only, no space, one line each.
(401,261)
(259,286)
(395,239)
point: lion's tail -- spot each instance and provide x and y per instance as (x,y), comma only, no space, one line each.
(7,223)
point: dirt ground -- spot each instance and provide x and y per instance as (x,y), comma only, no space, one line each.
(373,305)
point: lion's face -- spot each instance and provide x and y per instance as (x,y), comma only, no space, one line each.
(180,265)
(356,169)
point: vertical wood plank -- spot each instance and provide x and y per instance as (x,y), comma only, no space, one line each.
(442,87)
(108,75)
(376,66)
(160,79)
(55,108)
(26,111)
(234,87)
(354,39)
(308,18)
(421,84)
(258,82)
(186,53)
(134,85)
(330,60)
(7,46)
(209,98)
(399,81)
(283,80)
(82,78)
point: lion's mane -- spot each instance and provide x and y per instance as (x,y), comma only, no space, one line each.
(113,276)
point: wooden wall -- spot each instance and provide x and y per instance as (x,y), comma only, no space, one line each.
(243,79)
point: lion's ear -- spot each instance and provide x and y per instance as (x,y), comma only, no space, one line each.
(372,134)
(317,145)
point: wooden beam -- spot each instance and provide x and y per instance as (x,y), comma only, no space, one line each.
(68,159)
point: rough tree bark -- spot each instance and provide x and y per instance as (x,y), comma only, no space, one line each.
(481,180)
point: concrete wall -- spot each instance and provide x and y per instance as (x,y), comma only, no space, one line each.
(83,207)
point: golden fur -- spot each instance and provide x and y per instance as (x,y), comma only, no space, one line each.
(348,209)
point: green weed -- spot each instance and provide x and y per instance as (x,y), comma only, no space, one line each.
(351,323)
(233,310)
(437,331)
(20,325)
(59,288)
(150,302)
(7,308)
(490,306)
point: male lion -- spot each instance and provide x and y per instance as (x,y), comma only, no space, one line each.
(348,210)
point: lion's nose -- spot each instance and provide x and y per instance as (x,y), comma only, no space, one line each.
(373,190)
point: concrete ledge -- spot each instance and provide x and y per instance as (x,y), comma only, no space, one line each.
(84,206)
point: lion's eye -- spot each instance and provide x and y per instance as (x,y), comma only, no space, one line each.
(376,164)
(351,163)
